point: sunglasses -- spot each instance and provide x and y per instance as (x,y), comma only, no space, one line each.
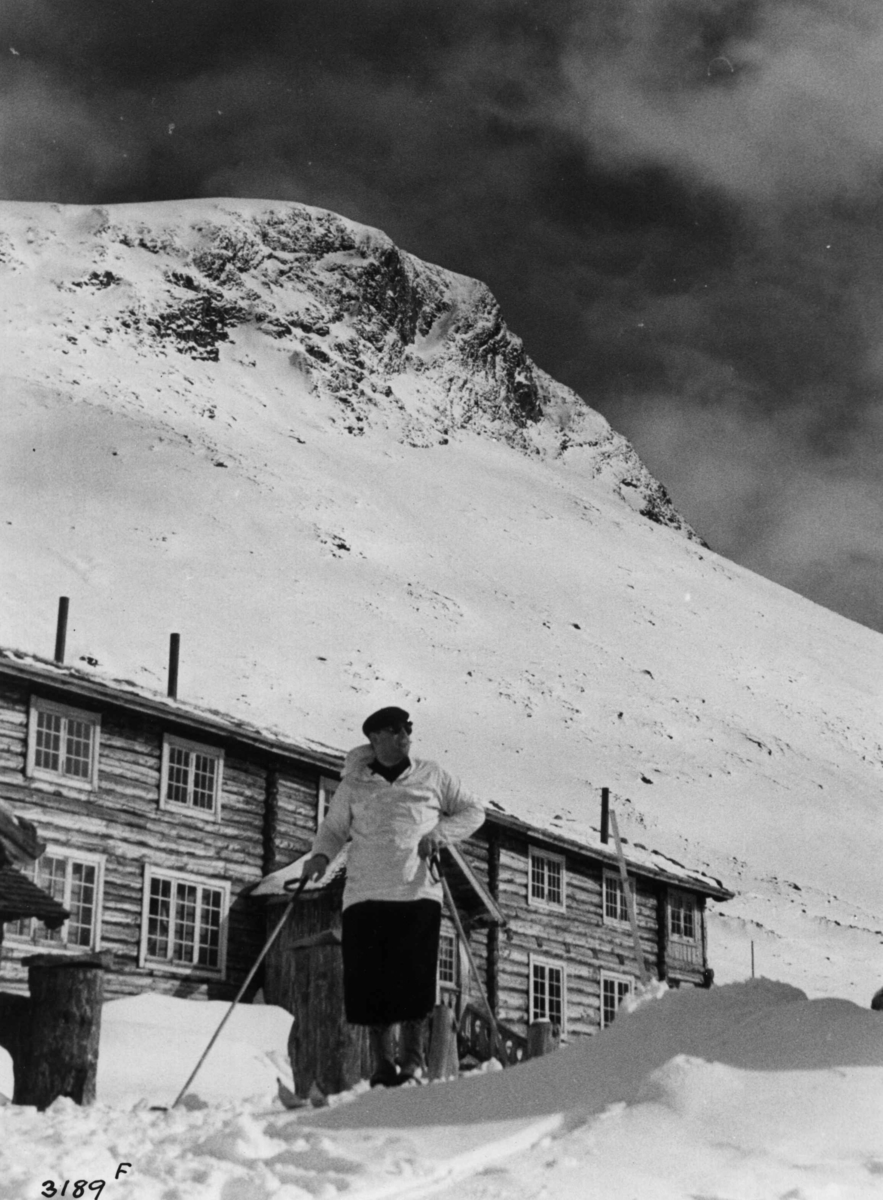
(404,727)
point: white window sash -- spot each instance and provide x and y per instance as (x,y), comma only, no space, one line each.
(192,749)
(613,884)
(546,967)
(66,713)
(544,858)
(38,933)
(684,905)
(622,986)
(168,963)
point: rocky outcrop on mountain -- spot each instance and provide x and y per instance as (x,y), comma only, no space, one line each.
(380,337)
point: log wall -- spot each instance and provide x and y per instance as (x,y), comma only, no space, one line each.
(122,821)
(577,937)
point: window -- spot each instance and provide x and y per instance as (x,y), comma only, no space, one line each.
(682,916)
(447,960)
(184,922)
(327,788)
(614,989)
(615,908)
(63,743)
(76,881)
(546,879)
(191,777)
(547,991)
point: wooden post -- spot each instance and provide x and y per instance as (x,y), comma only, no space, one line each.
(61,628)
(493,933)
(174,656)
(605,815)
(662,931)
(443,1060)
(540,1038)
(60,1053)
(15,1028)
(324,1049)
(271,818)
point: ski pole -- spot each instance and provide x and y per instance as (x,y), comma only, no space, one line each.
(435,862)
(302,883)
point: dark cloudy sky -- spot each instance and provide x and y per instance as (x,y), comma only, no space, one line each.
(678,204)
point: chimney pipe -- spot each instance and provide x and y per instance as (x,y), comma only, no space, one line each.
(61,628)
(605,815)
(174,651)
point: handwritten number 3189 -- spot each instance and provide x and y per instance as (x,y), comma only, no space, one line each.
(78,1190)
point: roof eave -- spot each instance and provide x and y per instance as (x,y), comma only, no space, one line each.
(608,857)
(70,680)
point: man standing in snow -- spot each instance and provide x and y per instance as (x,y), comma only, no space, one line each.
(399,812)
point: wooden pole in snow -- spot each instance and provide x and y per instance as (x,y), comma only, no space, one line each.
(629,900)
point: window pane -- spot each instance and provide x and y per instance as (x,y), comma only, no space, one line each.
(609,1002)
(682,916)
(447,968)
(185,923)
(84,884)
(47,745)
(613,992)
(537,878)
(689,926)
(204,768)
(540,1009)
(556,995)
(78,749)
(179,775)
(553,881)
(615,907)
(159,918)
(210,928)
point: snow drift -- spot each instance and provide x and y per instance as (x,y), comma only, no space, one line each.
(749,1090)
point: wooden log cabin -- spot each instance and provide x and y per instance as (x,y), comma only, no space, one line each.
(158,817)
(168,827)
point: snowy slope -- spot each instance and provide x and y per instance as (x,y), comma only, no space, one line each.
(336,472)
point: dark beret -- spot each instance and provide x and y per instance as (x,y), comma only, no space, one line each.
(383,718)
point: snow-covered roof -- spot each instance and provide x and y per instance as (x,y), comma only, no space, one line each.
(89,685)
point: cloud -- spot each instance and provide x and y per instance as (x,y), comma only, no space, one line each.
(776,102)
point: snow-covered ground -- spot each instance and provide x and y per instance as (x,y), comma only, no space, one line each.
(746,1092)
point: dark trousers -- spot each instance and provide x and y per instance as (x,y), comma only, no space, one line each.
(390,959)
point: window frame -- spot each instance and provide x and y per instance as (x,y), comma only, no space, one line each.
(171,740)
(87,858)
(683,938)
(607,879)
(169,965)
(615,977)
(534,852)
(325,789)
(449,985)
(38,704)
(555,964)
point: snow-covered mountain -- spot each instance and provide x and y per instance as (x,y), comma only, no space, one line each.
(335,471)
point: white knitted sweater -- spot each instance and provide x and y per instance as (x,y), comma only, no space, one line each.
(387,820)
